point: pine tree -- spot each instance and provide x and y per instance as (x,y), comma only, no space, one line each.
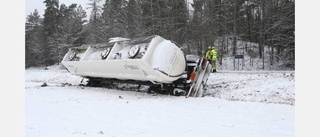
(94,30)
(196,30)
(34,40)
(50,24)
(79,22)
(69,29)
(134,19)
(179,15)
(72,19)
(282,32)
(151,17)
(118,21)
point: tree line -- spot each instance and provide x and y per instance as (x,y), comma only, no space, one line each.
(194,26)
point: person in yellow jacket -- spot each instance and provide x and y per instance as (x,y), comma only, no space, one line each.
(209,55)
(213,59)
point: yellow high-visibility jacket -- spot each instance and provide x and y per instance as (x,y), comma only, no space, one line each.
(208,54)
(214,54)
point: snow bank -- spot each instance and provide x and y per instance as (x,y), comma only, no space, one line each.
(52,75)
(257,86)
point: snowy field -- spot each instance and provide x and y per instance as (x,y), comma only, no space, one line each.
(236,104)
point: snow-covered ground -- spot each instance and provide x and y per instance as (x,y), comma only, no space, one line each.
(236,104)
(257,86)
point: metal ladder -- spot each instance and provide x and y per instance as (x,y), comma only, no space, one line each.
(202,74)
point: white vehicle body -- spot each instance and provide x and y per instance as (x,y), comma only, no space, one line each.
(152,58)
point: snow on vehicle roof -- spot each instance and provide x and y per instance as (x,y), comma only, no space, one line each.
(117,39)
